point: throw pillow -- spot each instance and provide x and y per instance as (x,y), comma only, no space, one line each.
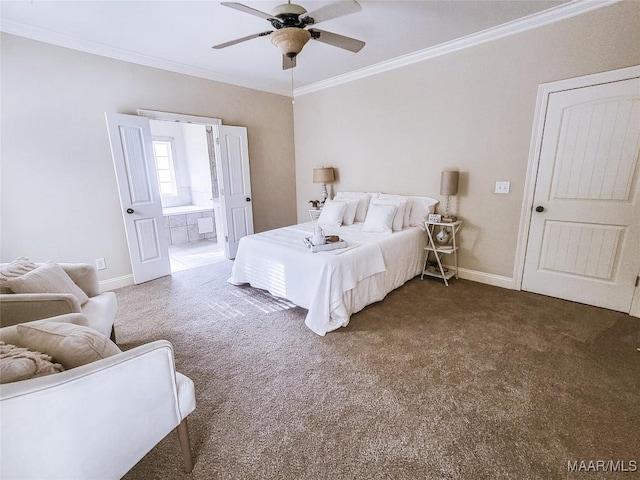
(47,278)
(363,202)
(18,363)
(332,213)
(379,218)
(71,345)
(350,211)
(407,205)
(19,266)
(400,205)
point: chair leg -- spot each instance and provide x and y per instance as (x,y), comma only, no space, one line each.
(113,334)
(185,445)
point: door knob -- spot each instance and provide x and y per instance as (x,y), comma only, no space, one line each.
(129,211)
(539,209)
(248,199)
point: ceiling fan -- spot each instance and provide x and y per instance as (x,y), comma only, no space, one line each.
(291,33)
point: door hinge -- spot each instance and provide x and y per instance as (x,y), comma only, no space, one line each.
(226,239)
(217,140)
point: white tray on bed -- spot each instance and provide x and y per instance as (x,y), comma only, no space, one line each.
(326,247)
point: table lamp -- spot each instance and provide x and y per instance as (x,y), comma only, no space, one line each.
(323,175)
(448,187)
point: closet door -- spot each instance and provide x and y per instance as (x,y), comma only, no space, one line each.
(584,236)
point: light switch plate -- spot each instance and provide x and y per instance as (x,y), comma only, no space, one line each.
(100,264)
(503,187)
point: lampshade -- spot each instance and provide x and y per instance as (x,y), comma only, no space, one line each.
(290,40)
(449,182)
(323,175)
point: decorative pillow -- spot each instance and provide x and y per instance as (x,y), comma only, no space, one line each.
(420,209)
(19,266)
(400,205)
(350,211)
(399,198)
(18,363)
(379,218)
(47,278)
(363,202)
(71,345)
(332,213)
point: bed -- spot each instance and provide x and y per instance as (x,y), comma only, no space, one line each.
(335,284)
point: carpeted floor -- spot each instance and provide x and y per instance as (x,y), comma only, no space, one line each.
(465,382)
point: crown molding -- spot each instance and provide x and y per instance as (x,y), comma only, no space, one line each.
(47,36)
(568,10)
(547,17)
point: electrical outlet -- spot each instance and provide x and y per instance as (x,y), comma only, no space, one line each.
(101,264)
(502,187)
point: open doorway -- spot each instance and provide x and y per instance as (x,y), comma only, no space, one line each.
(189,193)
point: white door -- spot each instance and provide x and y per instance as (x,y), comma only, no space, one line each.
(235,185)
(132,152)
(584,236)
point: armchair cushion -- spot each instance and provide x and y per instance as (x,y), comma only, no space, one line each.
(47,278)
(18,363)
(71,345)
(18,267)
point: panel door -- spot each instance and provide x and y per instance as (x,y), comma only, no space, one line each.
(132,152)
(235,185)
(584,237)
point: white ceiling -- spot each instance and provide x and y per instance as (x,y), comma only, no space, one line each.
(178,35)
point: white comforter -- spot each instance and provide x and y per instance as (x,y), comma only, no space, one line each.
(331,285)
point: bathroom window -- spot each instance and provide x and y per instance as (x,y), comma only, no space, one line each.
(163,153)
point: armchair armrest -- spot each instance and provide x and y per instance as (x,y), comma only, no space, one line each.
(96,420)
(25,307)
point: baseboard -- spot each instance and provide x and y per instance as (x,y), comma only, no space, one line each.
(486,278)
(118,282)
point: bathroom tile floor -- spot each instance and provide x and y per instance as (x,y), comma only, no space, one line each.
(195,254)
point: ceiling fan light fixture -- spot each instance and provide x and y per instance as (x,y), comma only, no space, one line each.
(290,40)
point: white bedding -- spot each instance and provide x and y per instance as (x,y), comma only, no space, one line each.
(331,285)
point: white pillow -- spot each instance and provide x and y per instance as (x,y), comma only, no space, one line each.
(407,208)
(47,278)
(379,218)
(400,205)
(363,202)
(69,344)
(420,209)
(350,211)
(332,213)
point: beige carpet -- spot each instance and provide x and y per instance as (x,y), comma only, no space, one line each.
(465,382)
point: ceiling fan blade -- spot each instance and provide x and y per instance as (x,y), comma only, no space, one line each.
(243,39)
(288,63)
(336,40)
(334,10)
(249,10)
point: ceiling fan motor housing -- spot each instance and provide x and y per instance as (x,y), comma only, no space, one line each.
(290,40)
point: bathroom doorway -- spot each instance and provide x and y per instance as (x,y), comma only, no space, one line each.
(189,193)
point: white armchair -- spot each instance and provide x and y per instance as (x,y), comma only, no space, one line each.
(94,421)
(100,309)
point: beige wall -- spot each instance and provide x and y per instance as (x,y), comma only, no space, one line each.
(473,109)
(59,199)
